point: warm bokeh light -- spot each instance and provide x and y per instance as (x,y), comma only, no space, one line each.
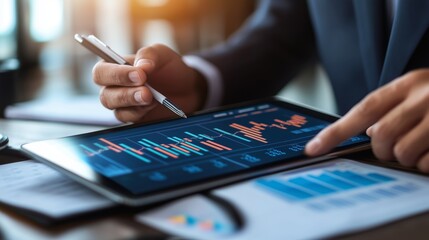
(39,34)
(153,3)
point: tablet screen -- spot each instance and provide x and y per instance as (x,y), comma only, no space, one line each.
(165,155)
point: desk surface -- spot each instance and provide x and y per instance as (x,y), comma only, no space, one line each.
(122,225)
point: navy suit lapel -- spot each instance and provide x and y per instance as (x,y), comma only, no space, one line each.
(372,33)
(409,25)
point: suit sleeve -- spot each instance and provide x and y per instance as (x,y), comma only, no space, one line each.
(270,48)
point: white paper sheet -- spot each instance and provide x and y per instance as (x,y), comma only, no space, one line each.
(33,186)
(288,206)
(78,109)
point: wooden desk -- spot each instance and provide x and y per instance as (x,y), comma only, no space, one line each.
(122,225)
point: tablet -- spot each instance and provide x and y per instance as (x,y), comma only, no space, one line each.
(145,163)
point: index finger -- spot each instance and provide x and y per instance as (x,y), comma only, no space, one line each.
(357,120)
(111,74)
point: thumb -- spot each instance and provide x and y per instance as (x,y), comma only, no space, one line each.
(147,65)
(154,57)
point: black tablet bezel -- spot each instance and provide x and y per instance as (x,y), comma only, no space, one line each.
(116,192)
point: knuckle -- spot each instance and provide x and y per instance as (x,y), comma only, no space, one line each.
(400,86)
(146,95)
(402,154)
(96,75)
(381,132)
(151,52)
(418,74)
(131,114)
(138,114)
(103,98)
(406,110)
(119,114)
(365,109)
(147,52)
(423,164)
(423,97)
(424,168)
(124,98)
(116,77)
(380,153)
(107,104)
(159,46)
(413,77)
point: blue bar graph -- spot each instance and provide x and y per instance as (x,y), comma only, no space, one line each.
(336,182)
(144,144)
(191,150)
(380,177)
(174,140)
(313,186)
(288,191)
(193,135)
(385,192)
(168,150)
(106,162)
(152,143)
(233,135)
(157,153)
(137,156)
(353,177)
(101,146)
(338,202)
(179,152)
(365,197)
(404,189)
(130,152)
(206,137)
(195,146)
(329,182)
(124,146)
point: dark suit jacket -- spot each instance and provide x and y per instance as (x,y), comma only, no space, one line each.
(351,38)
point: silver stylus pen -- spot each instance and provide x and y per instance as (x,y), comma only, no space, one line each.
(96,46)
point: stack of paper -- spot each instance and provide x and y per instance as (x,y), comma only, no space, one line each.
(78,109)
(41,191)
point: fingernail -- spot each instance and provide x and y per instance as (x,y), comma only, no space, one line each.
(313,147)
(134,77)
(144,63)
(138,97)
(369,131)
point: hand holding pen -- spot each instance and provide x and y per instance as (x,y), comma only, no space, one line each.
(123,85)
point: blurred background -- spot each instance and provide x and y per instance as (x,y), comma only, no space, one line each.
(39,33)
(40,59)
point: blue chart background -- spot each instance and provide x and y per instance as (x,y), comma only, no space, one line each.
(145,158)
(338,185)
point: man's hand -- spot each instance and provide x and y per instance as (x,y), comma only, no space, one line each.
(123,90)
(396,116)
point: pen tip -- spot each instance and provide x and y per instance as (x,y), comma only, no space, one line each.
(173,108)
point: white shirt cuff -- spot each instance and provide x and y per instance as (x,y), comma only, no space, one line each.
(213,77)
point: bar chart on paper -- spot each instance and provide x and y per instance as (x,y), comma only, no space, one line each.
(324,200)
(206,145)
(337,186)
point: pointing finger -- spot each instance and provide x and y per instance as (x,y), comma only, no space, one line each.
(358,119)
